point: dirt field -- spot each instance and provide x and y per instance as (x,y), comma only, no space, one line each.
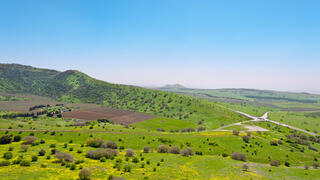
(83,111)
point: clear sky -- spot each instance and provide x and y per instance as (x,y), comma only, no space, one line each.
(262,44)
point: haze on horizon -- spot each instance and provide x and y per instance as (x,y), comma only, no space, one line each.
(264,44)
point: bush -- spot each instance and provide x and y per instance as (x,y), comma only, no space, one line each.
(34,158)
(99,153)
(110,144)
(42,141)
(135,160)
(25,163)
(246,139)
(245,167)
(10,148)
(315,165)
(274,163)
(234,132)
(5,139)
(8,155)
(201,128)
(24,148)
(95,142)
(146,149)
(239,156)
(103,159)
(29,139)
(17,138)
(42,152)
(85,174)
(4,163)
(163,149)
(187,152)
(73,167)
(64,156)
(225,155)
(188,130)
(130,153)
(127,168)
(274,143)
(306,166)
(287,164)
(174,150)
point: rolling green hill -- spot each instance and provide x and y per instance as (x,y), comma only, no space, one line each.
(74,86)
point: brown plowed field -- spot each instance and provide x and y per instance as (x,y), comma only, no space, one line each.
(83,111)
(115,115)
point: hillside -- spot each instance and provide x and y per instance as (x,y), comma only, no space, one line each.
(74,86)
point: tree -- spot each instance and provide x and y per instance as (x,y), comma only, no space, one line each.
(17,138)
(246,139)
(85,174)
(163,149)
(130,153)
(274,163)
(5,139)
(146,149)
(238,156)
(174,150)
(187,152)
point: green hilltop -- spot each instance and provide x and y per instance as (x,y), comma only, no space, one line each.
(77,87)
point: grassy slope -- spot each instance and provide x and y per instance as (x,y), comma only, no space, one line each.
(74,86)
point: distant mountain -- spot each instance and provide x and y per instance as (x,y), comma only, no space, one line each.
(75,86)
(233,95)
(172,87)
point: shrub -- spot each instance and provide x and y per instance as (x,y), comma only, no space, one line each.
(201,128)
(238,156)
(110,144)
(4,163)
(246,139)
(42,141)
(245,167)
(188,130)
(135,160)
(274,143)
(146,149)
(17,138)
(34,158)
(42,152)
(315,165)
(52,145)
(79,151)
(85,174)
(29,139)
(24,148)
(306,166)
(187,152)
(94,142)
(287,164)
(234,132)
(5,139)
(25,163)
(8,155)
(127,168)
(174,150)
(99,153)
(225,155)
(103,159)
(274,163)
(64,156)
(73,167)
(43,165)
(53,151)
(10,148)
(163,149)
(130,153)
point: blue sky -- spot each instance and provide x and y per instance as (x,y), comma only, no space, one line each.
(263,44)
